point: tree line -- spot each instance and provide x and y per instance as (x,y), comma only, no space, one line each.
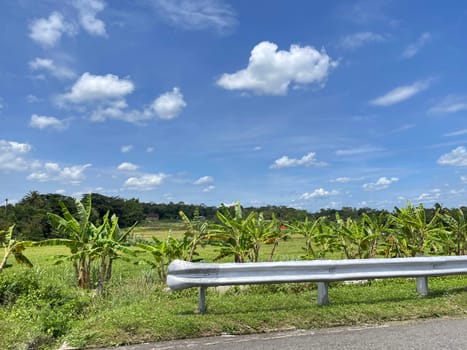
(30,213)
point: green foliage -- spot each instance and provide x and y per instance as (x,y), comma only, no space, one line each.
(411,231)
(163,252)
(12,246)
(89,244)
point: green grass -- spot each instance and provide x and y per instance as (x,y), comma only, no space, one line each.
(46,309)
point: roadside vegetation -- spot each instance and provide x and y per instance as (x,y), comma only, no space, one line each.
(90,283)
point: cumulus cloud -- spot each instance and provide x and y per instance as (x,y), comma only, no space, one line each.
(271,72)
(145,182)
(168,105)
(197,14)
(49,66)
(307,160)
(54,172)
(463,179)
(381,184)
(400,94)
(95,88)
(88,9)
(48,31)
(415,47)
(204,180)
(12,156)
(356,40)
(103,96)
(44,122)
(450,104)
(457,157)
(127,166)
(319,193)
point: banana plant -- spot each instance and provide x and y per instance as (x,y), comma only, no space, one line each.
(163,252)
(81,234)
(456,228)
(109,243)
(357,241)
(260,231)
(411,231)
(318,239)
(196,232)
(12,246)
(232,234)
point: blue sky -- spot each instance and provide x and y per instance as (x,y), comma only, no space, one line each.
(309,104)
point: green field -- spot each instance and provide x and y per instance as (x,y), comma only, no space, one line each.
(135,308)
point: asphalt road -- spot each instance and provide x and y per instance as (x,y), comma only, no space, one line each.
(424,335)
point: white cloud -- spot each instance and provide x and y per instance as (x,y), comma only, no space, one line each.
(168,105)
(43,122)
(149,149)
(204,180)
(318,193)
(126,148)
(450,104)
(92,88)
(357,40)
(48,31)
(346,179)
(11,155)
(103,96)
(127,166)
(457,157)
(457,133)
(48,65)
(145,182)
(357,150)
(381,184)
(54,172)
(414,48)
(198,14)
(400,94)
(32,99)
(271,71)
(307,160)
(432,196)
(88,10)
(209,188)
(463,179)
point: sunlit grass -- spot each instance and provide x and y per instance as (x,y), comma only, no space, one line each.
(135,308)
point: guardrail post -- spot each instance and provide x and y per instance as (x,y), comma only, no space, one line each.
(323,293)
(202,300)
(422,286)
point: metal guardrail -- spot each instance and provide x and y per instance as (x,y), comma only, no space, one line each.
(182,274)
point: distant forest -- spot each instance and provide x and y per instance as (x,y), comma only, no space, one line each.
(30,213)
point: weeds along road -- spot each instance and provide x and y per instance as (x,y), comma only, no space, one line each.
(424,335)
